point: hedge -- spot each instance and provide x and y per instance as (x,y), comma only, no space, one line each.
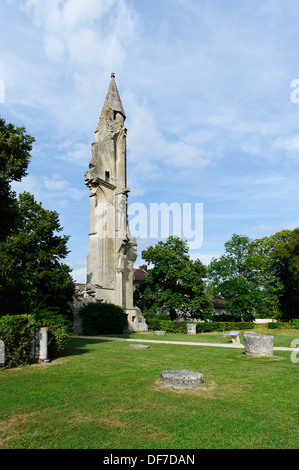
(201,327)
(293,324)
(17,333)
(59,328)
(170,326)
(103,318)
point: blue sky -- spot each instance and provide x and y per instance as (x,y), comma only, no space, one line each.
(206,87)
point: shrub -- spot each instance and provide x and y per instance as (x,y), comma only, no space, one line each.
(172,326)
(162,316)
(59,328)
(201,327)
(295,323)
(278,325)
(103,318)
(16,332)
(153,323)
(152,320)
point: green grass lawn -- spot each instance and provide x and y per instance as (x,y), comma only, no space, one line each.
(105,395)
(282,338)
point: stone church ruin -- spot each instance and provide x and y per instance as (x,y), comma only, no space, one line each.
(112,249)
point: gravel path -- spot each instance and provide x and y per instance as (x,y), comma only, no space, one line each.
(185,343)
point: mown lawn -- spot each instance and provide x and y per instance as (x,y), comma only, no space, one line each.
(106,395)
(282,338)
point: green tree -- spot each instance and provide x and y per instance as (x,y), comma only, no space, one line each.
(281,258)
(286,266)
(264,274)
(259,276)
(174,281)
(15,148)
(32,274)
(232,277)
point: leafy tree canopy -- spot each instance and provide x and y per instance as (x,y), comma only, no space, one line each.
(231,277)
(174,281)
(15,148)
(32,274)
(258,276)
(283,254)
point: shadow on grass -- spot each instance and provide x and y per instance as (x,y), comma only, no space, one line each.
(77,346)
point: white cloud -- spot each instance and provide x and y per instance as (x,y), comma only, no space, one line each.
(30,184)
(54,48)
(74,46)
(54,183)
(79,275)
(267,230)
(84,32)
(205,86)
(204,258)
(78,153)
(55,190)
(79,270)
(151,151)
(291,144)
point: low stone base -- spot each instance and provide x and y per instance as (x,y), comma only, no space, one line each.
(139,346)
(258,345)
(182,378)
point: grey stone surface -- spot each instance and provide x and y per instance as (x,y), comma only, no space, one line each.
(258,345)
(2,352)
(182,378)
(191,328)
(160,333)
(112,249)
(43,344)
(139,346)
(136,321)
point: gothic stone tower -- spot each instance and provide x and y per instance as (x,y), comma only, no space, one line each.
(112,250)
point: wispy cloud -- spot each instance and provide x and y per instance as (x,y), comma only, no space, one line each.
(58,191)
(206,90)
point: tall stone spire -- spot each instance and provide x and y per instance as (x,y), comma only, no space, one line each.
(112,250)
(113,99)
